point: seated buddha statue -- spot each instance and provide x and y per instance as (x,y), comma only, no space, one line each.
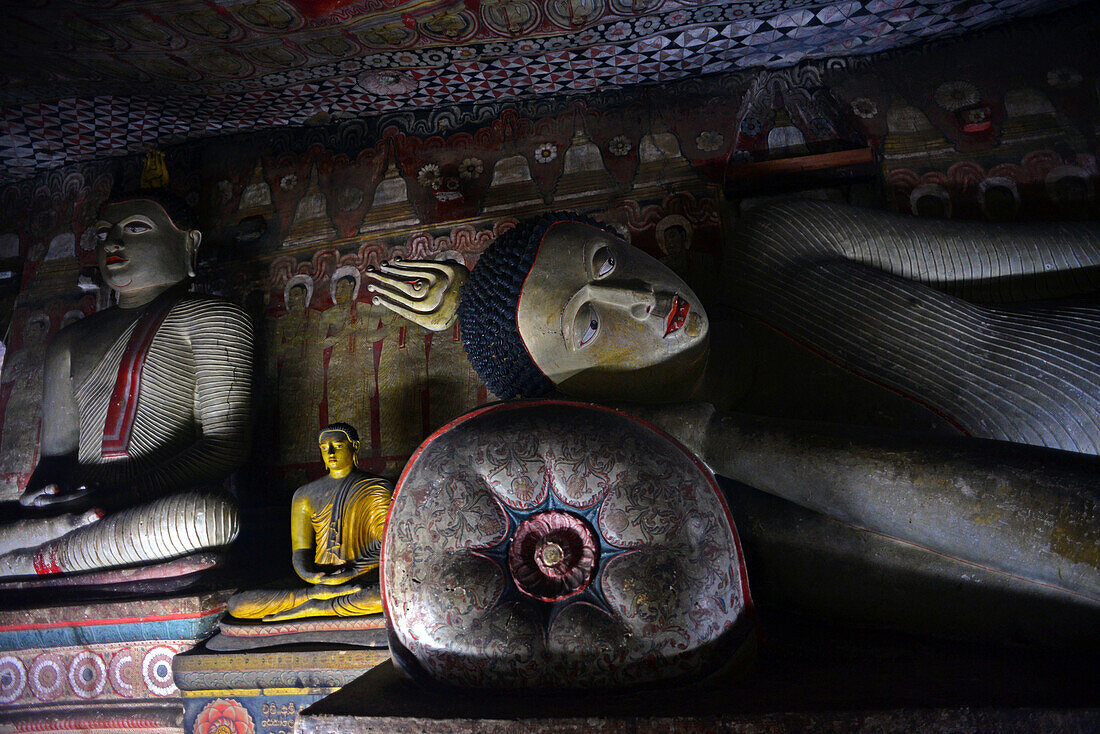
(992,330)
(145,409)
(336,525)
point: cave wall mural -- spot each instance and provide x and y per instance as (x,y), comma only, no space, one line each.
(83,79)
(292,218)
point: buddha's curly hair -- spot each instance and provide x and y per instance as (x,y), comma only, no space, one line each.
(178,210)
(487,310)
(347,429)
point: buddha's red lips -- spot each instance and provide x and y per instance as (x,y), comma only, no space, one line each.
(677,315)
(111,259)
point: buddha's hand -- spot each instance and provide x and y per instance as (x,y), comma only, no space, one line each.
(53,483)
(423,291)
(321,593)
(347,572)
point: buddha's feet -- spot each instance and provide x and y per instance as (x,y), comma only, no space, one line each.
(166,528)
(33,532)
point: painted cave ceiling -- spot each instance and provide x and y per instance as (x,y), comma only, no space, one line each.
(84,79)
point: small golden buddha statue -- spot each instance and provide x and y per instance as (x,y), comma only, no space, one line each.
(336,525)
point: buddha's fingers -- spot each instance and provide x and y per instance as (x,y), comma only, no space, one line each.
(417,305)
(417,288)
(30,498)
(434,320)
(406,271)
(447,270)
(332,592)
(51,495)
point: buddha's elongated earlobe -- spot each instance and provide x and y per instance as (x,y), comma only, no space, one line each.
(194,239)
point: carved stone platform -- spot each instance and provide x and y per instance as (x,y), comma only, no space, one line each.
(101,665)
(262,691)
(166,577)
(808,678)
(233,635)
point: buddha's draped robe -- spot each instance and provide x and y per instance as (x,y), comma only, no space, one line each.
(994,326)
(348,518)
(185,433)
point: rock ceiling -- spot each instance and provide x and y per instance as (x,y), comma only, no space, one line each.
(83,79)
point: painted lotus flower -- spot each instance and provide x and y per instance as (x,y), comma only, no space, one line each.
(546,152)
(553,555)
(470,168)
(429,176)
(224,716)
(709,140)
(619,145)
(955,95)
(864,108)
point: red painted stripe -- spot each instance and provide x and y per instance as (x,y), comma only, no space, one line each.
(375,404)
(44,566)
(122,620)
(122,409)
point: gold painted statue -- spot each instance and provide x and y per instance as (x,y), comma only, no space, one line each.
(336,525)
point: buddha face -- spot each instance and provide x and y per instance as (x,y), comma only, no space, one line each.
(298,298)
(138,247)
(344,288)
(602,319)
(34,333)
(338,452)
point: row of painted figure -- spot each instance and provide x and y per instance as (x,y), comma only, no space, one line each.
(951,371)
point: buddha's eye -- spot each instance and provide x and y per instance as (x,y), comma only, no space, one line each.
(136,227)
(603,262)
(586,326)
(101,233)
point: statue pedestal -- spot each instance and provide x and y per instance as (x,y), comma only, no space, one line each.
(234,635)
(100,665)
(262,691)
(165,577)
(808,678)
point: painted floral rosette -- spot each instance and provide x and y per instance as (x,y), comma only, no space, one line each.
(559,545)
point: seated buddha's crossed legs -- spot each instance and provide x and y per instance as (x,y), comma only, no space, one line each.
(318,600)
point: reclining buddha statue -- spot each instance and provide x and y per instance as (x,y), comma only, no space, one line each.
(336,525)
(988,329)
(145,409)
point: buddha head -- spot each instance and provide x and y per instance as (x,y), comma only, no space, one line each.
(560,301)
(339,443)
(146,240)
(345,285)
(298,293)
(34,332)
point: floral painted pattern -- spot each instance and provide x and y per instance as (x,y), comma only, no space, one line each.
(429,176)
(710,140)
(224,716)
(471,168)
(546,152)
(527,539)
(619,145)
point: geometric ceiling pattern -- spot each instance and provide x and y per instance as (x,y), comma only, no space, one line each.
(84,79)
